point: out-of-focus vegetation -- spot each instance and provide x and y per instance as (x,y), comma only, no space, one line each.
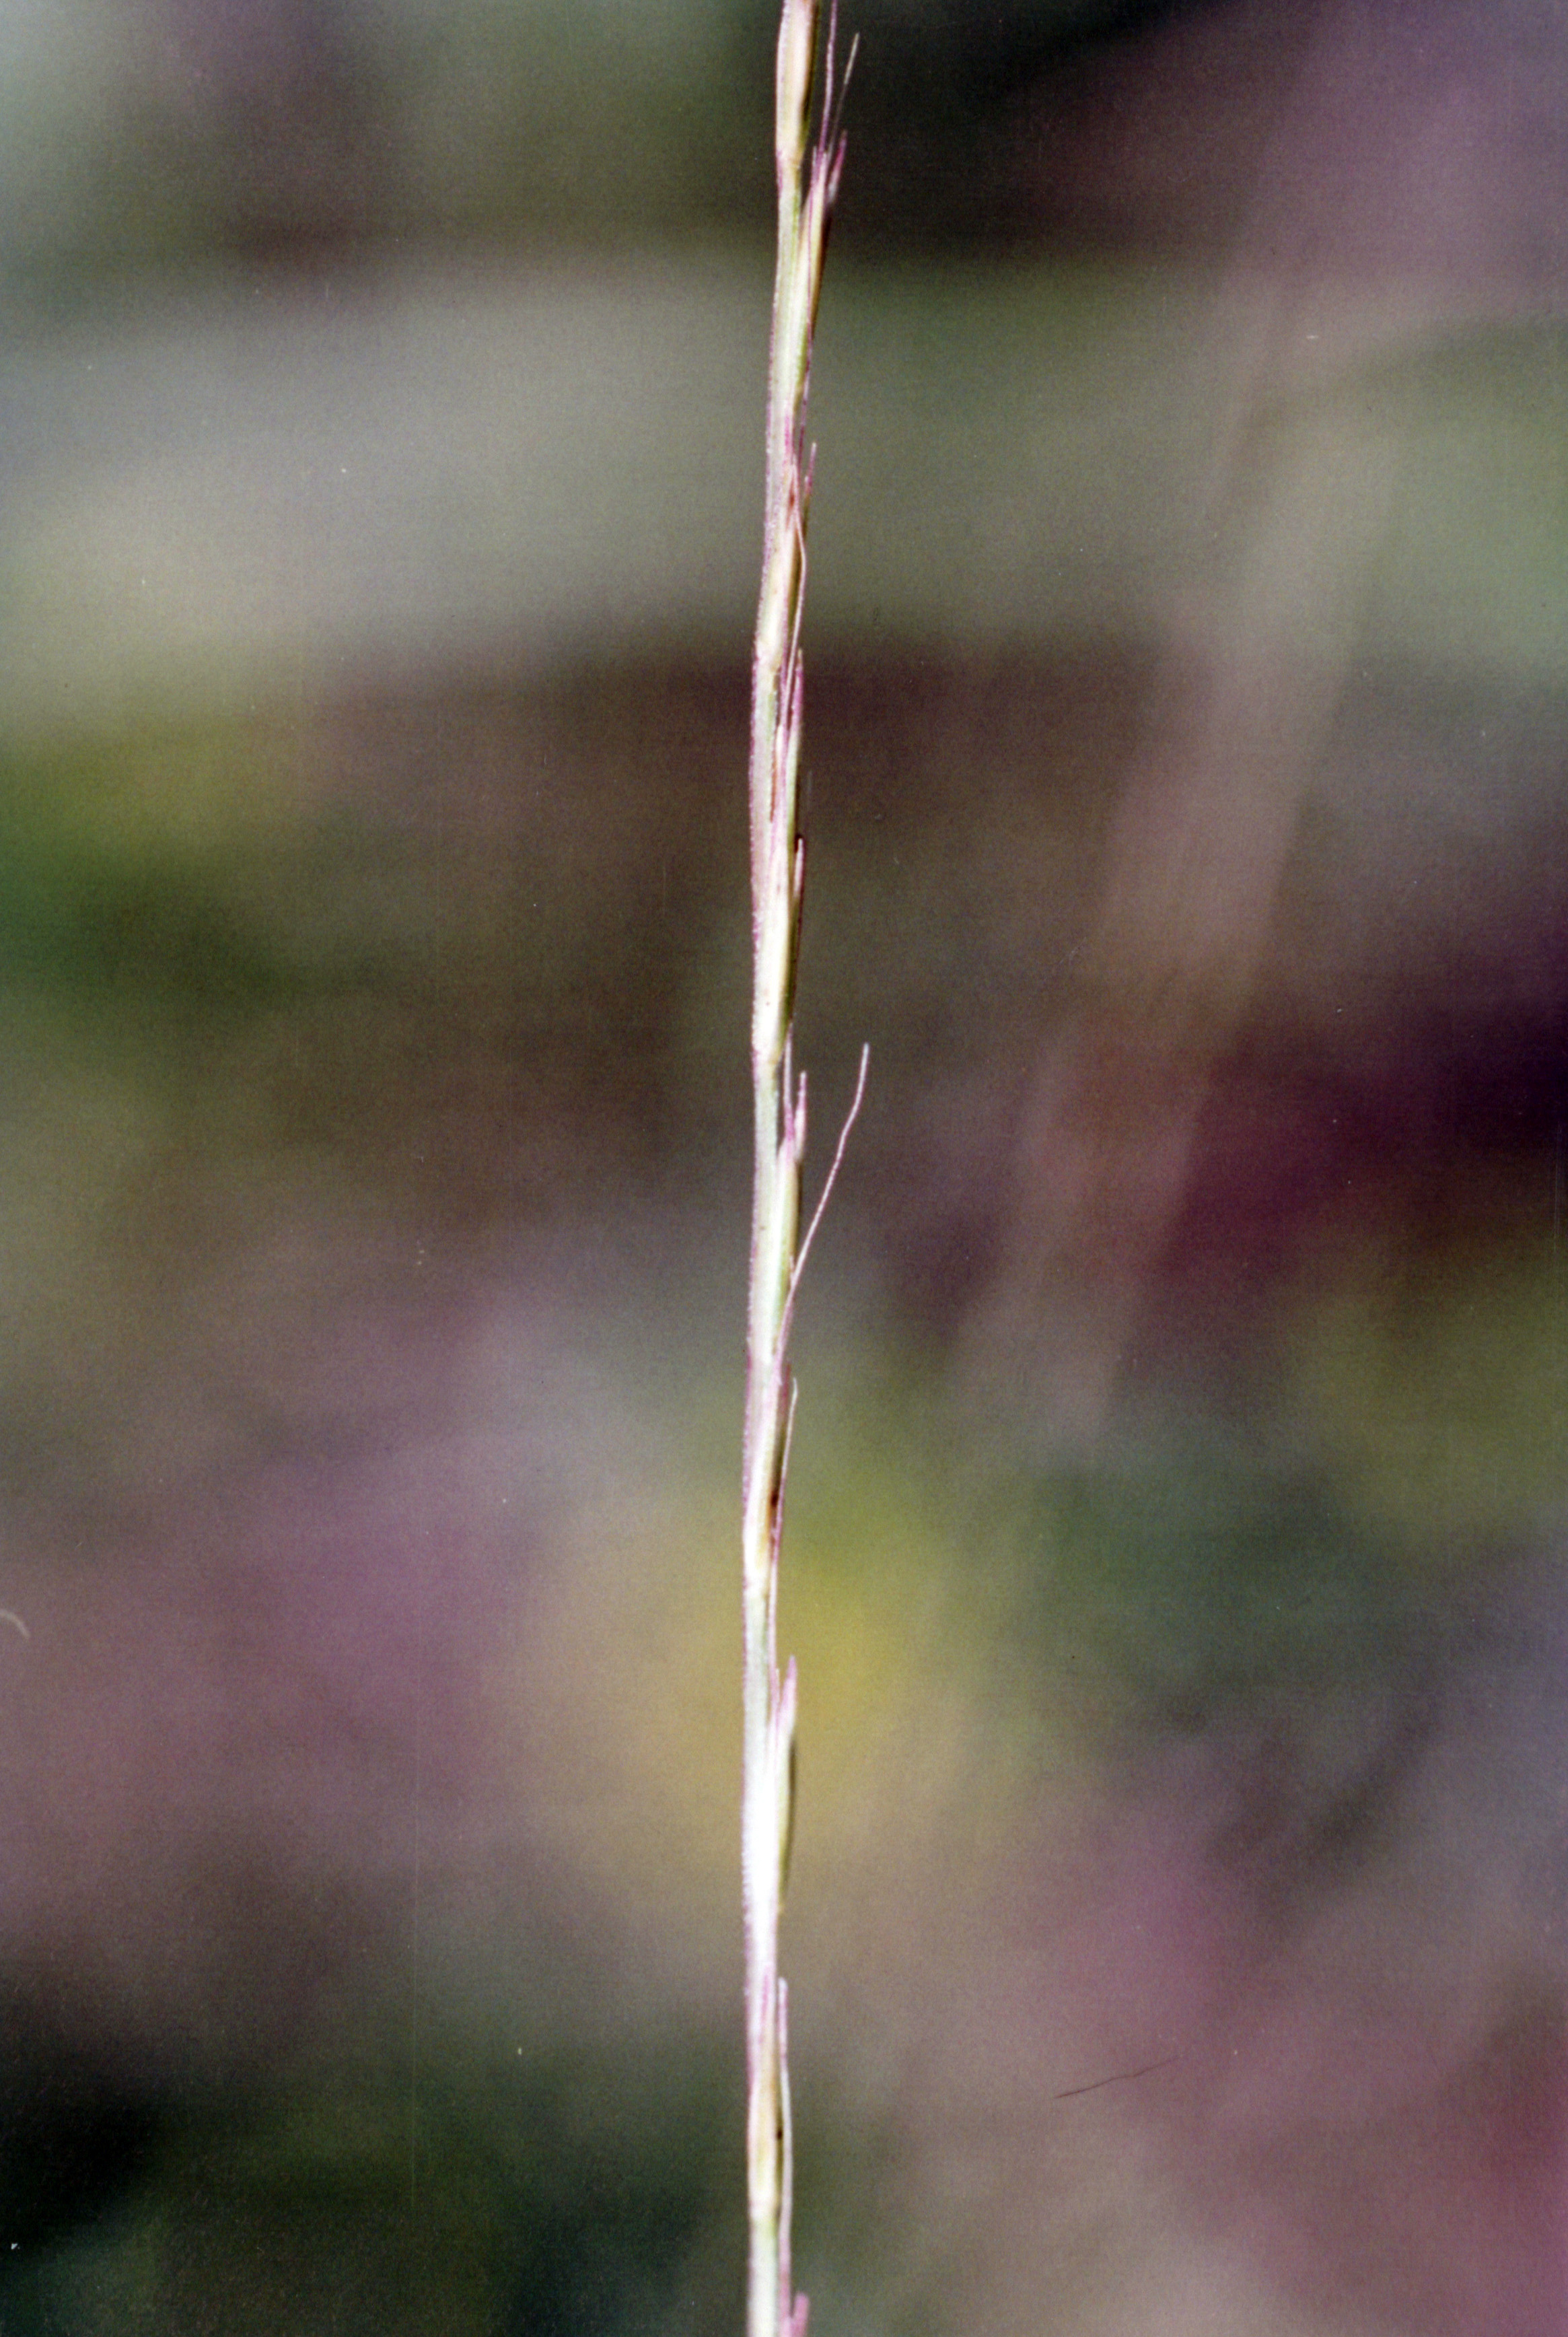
(153,134)
(376,1153)
(1176,1922)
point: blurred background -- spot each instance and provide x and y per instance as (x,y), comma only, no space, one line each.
(1176,1566)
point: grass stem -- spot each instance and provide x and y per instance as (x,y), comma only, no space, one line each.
(808,168)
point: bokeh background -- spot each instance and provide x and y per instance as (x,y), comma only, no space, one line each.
(1177,1565)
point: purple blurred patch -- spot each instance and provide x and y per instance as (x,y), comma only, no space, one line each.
(232,1736)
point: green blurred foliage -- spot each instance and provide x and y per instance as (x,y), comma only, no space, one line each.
(1435,1392)
(576,2190)
(1201,1588)
(153,133)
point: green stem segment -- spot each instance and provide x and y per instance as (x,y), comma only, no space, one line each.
(808,175)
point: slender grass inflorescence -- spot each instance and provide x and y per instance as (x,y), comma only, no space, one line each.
(808,177)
